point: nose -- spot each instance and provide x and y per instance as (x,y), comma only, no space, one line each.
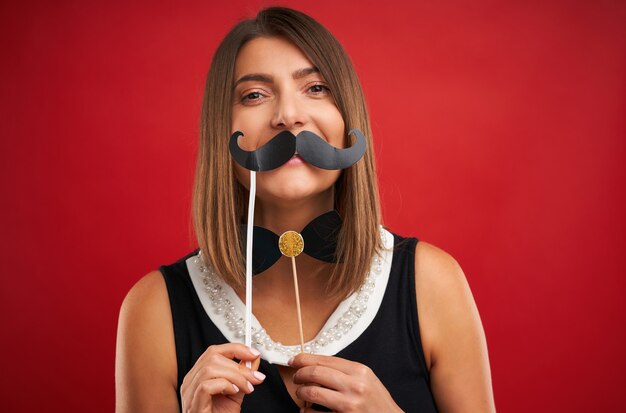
(289,113)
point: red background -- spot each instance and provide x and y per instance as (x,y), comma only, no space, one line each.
(500,137)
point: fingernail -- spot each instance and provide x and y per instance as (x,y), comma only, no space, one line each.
(290,362)
(250,387)
(258,375)
(236,388)
(255,352)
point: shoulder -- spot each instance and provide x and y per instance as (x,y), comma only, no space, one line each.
(147,303)
(428,256)
(437,272)
(452,335)
(149,290)
(442,293)
(145,351)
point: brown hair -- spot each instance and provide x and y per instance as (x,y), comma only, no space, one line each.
(219,201)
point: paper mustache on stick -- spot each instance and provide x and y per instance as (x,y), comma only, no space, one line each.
(312,148)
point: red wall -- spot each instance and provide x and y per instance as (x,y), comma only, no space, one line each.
(500,137)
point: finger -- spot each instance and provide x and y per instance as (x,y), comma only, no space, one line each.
(228,350)
(218,366)
(320,395)
(203,394)
(345,366)
(324,376)
(232,351)
(254,365)
(218,359)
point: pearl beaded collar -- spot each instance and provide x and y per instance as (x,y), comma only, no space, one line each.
(349,320)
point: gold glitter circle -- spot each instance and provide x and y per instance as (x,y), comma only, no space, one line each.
(291,244)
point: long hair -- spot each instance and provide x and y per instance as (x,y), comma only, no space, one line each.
(220,201)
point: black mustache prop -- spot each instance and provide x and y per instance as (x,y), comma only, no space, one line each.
(312,148)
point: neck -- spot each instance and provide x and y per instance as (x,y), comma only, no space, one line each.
(292,215)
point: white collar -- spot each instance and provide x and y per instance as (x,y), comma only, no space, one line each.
(349,320)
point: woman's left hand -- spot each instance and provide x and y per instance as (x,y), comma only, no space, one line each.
(341,385)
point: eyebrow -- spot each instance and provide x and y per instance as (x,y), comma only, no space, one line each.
(262,77)
(299,74)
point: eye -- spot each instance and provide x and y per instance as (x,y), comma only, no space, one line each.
(251,97)
(319,89)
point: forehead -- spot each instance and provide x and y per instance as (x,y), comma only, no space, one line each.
(271,55)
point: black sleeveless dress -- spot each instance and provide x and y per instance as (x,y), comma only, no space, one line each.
(390,346)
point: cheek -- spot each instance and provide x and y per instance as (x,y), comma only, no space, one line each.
(334,128)
(248,124)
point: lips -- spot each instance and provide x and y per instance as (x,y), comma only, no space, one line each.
(295,160)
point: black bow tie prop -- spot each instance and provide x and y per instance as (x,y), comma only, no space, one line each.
(319,237)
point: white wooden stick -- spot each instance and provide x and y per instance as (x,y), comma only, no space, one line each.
(249,230)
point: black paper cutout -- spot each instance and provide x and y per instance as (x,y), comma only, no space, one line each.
(318,152)
(270,156)
(311,147)
(320,242)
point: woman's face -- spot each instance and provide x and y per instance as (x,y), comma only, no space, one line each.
(277,88)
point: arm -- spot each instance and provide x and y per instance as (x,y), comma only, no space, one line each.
(146,370)
(452,334)
(145,363)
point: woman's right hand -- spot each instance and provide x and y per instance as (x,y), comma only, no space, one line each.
(216,383)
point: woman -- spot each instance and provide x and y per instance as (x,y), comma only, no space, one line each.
(367,350)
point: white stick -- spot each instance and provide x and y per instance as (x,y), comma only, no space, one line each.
(248,317)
